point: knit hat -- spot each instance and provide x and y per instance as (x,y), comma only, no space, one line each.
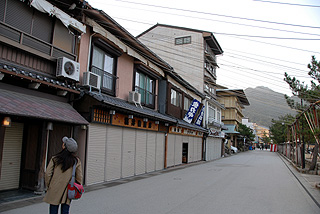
(70,144)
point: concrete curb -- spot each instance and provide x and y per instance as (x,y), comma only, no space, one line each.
(312,190)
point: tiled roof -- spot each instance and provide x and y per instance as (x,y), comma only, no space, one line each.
(124,105)
(184,124)
(118,103)
(15,103)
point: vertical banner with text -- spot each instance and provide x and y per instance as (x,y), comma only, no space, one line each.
(192,111)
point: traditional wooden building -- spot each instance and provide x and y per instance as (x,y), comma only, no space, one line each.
(39,71)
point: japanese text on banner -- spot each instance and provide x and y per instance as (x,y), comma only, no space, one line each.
(192,111)
(200,117)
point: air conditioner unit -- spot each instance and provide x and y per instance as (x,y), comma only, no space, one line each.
(68,68)
(134,97)
(92,80)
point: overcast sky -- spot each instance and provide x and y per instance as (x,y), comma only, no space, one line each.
(261,39)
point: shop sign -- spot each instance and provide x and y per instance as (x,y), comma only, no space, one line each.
(192,111)
(200,117)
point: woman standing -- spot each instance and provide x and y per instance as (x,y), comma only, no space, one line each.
(58,175)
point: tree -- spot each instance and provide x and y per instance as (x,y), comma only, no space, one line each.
(279,128)
(246,132)
(265,139)
(303,91)
(309,95)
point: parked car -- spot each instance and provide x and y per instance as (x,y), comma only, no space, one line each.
(234,149)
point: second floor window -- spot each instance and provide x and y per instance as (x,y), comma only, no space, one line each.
(104,65)
(187,103)
(219,115)
(176,98)
(212,114)
(145,85)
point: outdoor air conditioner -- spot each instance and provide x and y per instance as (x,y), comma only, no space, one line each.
(134,97)
(68,68)
(92,80)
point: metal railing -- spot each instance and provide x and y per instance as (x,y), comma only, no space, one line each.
(108,81)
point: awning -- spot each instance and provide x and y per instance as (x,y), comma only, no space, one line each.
(45,7)
(231,129)
(19,104)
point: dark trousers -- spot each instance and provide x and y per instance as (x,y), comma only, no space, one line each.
(64,209)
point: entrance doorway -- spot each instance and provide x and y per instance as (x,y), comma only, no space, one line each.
(185,153)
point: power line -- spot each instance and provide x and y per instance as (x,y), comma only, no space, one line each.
(263,37)
(214,14)
(302,5)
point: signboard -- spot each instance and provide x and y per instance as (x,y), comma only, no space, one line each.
(200,117)
(216,133)
(192,111)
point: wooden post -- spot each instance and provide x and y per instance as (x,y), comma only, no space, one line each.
(42,160)
(166,150)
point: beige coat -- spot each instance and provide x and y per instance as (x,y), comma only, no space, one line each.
(57,181)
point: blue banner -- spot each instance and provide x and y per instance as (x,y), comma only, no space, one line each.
(192,111)
(200,117)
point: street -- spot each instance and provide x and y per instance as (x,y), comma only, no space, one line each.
(249,182)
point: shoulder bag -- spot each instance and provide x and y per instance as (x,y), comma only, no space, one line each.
(75,190)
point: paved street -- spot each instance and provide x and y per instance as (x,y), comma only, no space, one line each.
(249,182)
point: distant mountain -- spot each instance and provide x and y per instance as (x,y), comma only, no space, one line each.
(265,105)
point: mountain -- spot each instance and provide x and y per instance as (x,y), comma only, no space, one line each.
(265,105)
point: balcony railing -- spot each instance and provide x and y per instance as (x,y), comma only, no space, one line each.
(108,81)
(32,42)
(147,98)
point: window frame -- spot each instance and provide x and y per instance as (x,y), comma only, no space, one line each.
(178,98)
(184,40)
(148,98)
(113,54)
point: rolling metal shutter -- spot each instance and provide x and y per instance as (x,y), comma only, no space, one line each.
(151,151)
(178,150)
(113,153)
(96,153)
(160,151)
(213,148)
(141,150)
(190,149)
(10,171)
(199,148)
(170,149)
(209,149)
(128,152)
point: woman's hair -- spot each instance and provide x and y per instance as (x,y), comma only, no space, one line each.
(65,158)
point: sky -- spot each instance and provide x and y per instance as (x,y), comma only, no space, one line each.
(261,39)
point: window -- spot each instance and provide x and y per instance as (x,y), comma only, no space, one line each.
(183,40)
(176,98)
(104,65)
(211,114)
(187,103)
(219,115)
(145,85)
